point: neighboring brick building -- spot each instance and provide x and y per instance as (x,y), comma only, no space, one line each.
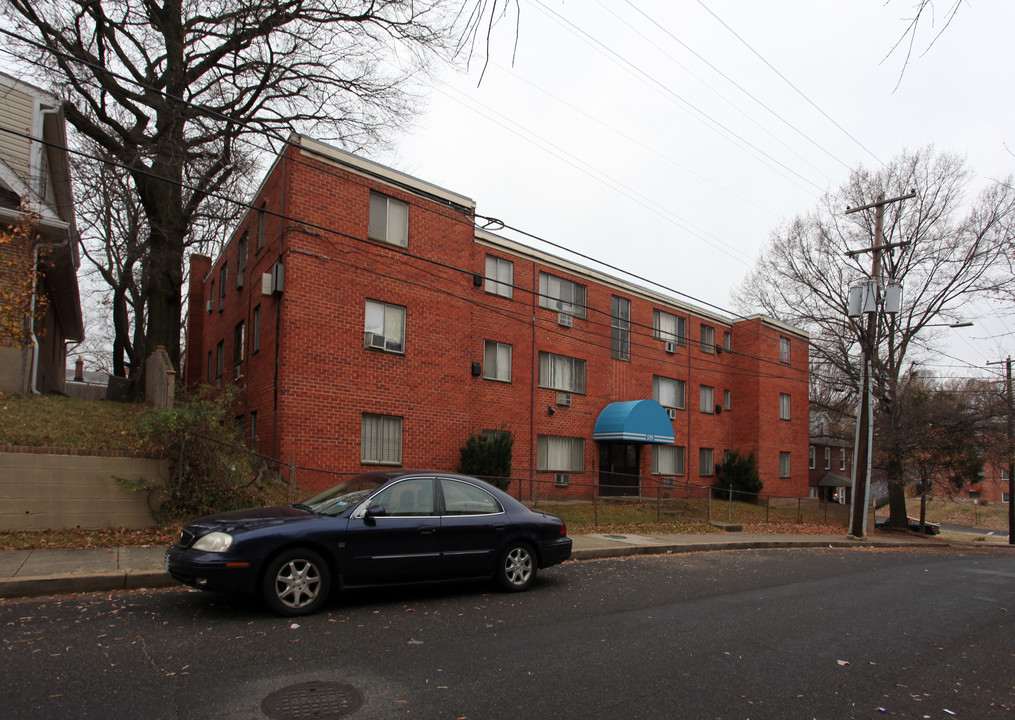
(370,323)
(992,487)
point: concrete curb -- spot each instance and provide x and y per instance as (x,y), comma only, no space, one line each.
(138,579)
(70,583)
(613,552)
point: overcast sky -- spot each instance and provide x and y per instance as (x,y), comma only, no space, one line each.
(654,139)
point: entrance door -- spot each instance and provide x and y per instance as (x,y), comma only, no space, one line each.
(619,473)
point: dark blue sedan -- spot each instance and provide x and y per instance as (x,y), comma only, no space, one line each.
(372,529)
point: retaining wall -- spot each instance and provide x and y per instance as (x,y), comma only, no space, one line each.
(52,491)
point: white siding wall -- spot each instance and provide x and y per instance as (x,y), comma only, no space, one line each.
(17,113)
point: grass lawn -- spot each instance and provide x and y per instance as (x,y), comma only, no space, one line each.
(54,421)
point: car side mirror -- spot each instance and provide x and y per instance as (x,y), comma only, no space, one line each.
(376,511)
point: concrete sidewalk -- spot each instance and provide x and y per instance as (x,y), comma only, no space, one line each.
(26,573)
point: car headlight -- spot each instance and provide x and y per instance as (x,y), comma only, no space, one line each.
(215,542)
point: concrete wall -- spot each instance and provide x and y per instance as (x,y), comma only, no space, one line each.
(41,492)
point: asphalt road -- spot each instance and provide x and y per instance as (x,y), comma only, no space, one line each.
(824,633)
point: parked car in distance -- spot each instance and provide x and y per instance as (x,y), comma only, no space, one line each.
(374,528)
(929,528)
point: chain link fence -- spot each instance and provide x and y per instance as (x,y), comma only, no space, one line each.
(619,500)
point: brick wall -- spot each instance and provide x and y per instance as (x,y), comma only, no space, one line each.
(311,381)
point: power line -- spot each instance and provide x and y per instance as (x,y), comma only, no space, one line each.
(739,87)
(667,91)
(786,80)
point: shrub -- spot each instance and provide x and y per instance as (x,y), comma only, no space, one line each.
(488,457)
(739,474)
(211,469)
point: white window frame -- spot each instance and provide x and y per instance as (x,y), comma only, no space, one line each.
(727,400)
(662,322)
(555,453)
(620,328)
(496,361)
(500,276)
(678,394)
(727,341)
(387,320)
(707,406)
(784,464)
(381,439)
(707,467)
(842,459)
(561,373)
(785,406)
(828,458)
(389,220)
(239,343)
(669,460)
(784,349)
(811,459)
(707,339)
(566,296)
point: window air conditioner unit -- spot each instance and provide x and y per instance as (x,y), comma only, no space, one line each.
(273,281)
(672,412)
(565,320)
(564,399)
(671,347)
(373,340)
(210,305)
(561,479)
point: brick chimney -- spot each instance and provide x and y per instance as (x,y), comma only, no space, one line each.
(79,370)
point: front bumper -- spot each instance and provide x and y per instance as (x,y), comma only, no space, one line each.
(215,572)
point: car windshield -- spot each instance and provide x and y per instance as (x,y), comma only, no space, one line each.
(336,500)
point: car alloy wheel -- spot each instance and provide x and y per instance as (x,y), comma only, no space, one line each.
(517,569)
(297,583)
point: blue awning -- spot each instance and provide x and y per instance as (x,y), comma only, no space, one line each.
(643,421)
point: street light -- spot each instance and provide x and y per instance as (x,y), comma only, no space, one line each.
(951,325)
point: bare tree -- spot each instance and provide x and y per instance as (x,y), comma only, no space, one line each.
(951,251)
(947,447)
(114,243)
(923,14)
(176,92)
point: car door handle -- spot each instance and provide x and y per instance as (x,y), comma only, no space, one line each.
(427,530)
(499,527)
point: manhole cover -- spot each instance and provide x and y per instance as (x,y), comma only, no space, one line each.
(317,700)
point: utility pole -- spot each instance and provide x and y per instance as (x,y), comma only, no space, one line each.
(1011,454)
(863,447)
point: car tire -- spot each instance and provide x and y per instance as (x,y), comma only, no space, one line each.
(516,570)
(296,582)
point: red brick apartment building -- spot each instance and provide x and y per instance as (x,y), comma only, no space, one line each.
(369,323)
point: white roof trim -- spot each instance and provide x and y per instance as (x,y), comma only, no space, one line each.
(368,167)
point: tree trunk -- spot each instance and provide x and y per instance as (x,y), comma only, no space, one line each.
(897,504)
